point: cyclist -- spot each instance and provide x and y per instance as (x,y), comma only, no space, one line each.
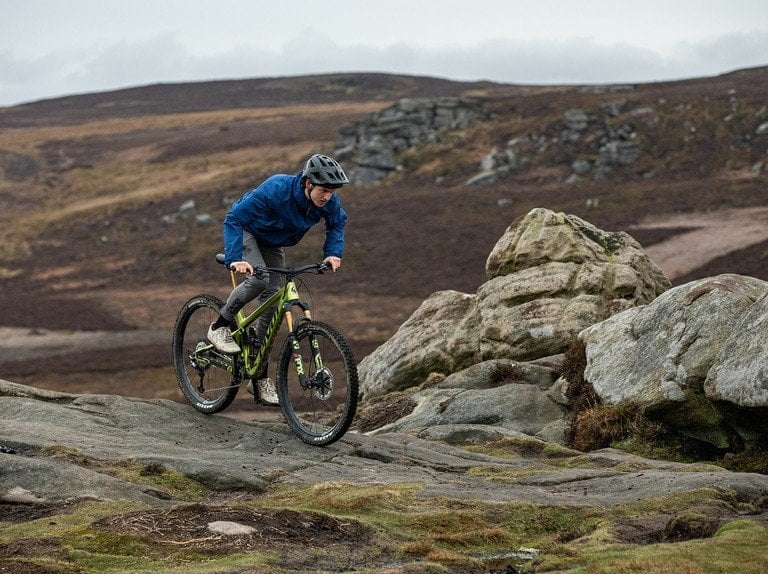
(277,214)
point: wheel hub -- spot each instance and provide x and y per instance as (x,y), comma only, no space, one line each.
(322,383)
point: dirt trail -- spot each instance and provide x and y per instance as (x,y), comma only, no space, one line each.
(716,234)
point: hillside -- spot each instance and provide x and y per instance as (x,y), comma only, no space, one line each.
(181,98)
(94,236)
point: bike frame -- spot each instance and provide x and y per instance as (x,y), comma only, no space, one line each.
(284,299)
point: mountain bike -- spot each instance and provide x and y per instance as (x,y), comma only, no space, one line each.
(316,376)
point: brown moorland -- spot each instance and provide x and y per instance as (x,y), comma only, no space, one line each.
(96,255)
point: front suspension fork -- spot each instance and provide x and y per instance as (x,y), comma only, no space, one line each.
(298,362)
(296,348)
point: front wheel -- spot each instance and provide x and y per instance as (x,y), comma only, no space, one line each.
(208,379)
(317,383)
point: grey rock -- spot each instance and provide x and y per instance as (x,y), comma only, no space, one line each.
(659,356)
(581,166)
(482,178)
(498,372)
(544,236)
(614,108)
(49,480)
(374,145)
(519,407)
(204,219)
(619,152)
(550,277)
(442,325)
(739,374)
(576,119)
(257,455)
(474,434)
(229,528)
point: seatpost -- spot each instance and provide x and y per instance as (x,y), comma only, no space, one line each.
(232,275)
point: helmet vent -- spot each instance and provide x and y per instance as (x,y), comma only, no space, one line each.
(324,170)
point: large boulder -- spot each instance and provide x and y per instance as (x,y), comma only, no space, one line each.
(438,337)
(544,236)
(740,375)
(549,277)
(694,358)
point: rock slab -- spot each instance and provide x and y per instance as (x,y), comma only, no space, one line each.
(233,455)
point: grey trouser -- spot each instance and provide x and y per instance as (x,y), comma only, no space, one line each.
(261,284)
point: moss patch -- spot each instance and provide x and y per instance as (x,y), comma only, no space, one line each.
(392,529)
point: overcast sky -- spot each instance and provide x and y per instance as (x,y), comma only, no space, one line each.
(50,48)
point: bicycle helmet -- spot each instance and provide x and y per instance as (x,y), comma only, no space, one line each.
(324,170)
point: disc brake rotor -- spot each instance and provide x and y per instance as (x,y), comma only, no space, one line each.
(323,384)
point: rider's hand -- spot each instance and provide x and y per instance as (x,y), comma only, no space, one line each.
(242,267)
(334,262)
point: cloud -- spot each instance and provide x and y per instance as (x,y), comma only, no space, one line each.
(729,51)
(578,60)
(574,60)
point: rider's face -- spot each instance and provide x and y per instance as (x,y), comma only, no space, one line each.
(319,195)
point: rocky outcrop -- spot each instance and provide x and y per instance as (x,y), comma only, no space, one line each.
(693,358)
(373,146)
(592,142)
(440,336)
(554,275)
(549,277)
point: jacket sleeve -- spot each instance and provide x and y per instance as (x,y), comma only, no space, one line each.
(334,233)
(233,239)
(249,209)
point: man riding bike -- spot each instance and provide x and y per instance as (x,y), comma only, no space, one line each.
(274,215)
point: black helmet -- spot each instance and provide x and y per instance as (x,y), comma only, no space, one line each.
(324,170)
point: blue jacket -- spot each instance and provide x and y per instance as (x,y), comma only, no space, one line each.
(278,214)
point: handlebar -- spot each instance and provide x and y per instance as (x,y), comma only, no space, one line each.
(289,272)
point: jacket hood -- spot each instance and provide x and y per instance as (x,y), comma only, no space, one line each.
(298,193)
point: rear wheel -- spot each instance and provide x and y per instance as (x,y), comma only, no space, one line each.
(208,378)
(320,407)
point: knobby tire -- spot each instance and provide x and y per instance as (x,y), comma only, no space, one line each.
(318,416)
(218,387)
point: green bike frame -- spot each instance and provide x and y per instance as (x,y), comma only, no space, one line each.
(284,299)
